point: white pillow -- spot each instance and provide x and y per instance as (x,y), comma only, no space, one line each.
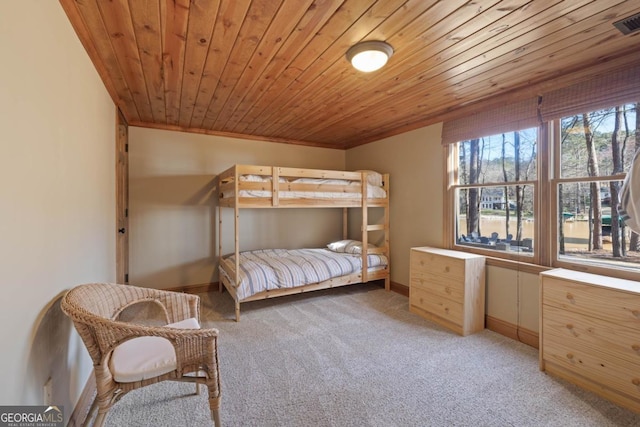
(348,246)
(259,178)
(339,246)
(373,177)
(253,178)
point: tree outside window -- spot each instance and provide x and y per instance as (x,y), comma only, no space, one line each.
(596,148)
(495,191)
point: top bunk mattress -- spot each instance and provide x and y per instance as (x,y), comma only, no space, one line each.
(260,182)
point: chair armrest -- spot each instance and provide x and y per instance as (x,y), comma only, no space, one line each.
(111,333)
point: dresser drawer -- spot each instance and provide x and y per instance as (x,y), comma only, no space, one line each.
(445,308)
(593,334)
(604,369)
(446,289)
(614,305)
(440,268)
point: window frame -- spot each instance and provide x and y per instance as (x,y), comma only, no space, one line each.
(553,183)
(452,203)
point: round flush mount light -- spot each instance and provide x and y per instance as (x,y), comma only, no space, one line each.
(370,55)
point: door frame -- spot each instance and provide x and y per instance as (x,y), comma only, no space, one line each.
(122,198)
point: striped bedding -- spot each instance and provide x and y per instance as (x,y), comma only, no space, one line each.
(268,269)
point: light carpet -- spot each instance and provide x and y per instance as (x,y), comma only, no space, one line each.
(355,356)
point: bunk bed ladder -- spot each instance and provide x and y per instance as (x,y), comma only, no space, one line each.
(365,229)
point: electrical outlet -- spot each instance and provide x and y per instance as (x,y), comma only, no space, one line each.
(48,392)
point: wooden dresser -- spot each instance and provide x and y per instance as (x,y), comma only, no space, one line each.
(448,287)
(590,333)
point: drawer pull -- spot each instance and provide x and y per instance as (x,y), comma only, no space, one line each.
(446,269)
(447,290)
(636,348)
(636,381)
(569,296)
(570,356)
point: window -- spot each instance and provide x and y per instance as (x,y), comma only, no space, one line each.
(553,199)
(548,195)
(495,187)
(595,149)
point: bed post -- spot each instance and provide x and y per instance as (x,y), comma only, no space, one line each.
(387,247)
(275,186)
(365,228)
(236,218)
(345,223)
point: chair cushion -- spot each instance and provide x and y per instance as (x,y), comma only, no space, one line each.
(146,357)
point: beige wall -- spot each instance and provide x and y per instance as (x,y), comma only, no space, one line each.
(513,296)
(414,163)
(57,192)
(173,205)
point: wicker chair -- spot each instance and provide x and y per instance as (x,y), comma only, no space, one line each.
(128,355)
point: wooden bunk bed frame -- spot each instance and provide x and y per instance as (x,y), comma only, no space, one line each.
(230,186)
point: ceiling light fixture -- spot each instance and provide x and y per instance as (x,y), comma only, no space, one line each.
(370,55)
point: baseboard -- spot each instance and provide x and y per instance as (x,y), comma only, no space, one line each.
(81,411)
(512,331)
(399,288)
(195,289)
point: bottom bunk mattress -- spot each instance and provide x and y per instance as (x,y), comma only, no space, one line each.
(270,269)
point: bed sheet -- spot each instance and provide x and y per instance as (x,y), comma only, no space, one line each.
(374,188)
(372,193)
(269,269)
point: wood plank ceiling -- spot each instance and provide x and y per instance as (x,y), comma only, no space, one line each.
(276,69)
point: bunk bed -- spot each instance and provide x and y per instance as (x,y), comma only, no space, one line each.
(251,275)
